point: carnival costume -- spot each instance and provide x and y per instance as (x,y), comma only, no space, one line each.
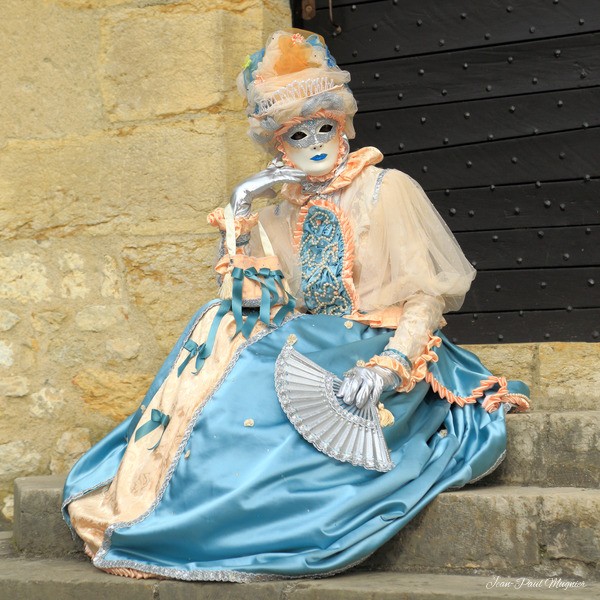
(305,416)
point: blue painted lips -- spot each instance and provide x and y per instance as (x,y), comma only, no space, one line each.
(318,157)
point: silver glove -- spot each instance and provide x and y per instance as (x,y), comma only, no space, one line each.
(363,384)
(260,184)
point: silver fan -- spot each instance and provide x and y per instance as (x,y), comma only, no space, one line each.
(307,394)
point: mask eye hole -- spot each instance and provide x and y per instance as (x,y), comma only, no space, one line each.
(325,128)
(299,135)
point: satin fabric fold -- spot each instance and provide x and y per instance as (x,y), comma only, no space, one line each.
(243,502)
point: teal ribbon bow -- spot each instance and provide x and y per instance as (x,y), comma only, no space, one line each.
(269,281)
(157,419)
(202,351)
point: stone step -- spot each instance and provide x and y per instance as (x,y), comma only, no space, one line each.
(551,449)
(73,579)
(563,402)
(502,530)
(38,524)
(7,546)
(497,529)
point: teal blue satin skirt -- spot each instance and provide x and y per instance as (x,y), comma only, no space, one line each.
(261,502)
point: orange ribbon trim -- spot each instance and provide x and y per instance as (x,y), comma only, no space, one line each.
(491,403)
(421,372)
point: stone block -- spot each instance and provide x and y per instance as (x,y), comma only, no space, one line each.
(49,70)
(39,528)
(570,538)
(148,180)
(538,532)
(179,272)
(6,354)
(162,61)
(91,4)
(23,278)
(112,285)
(112,394)
(46,402)
(183,590)
(8,509)
(501,530)
(8,320)
(412,586)
(15,386)
(47,321)
(551,449)
(72,579)
(97,318)
(569,376)
(18,458)
(69,448)
(123,348)
(513,361)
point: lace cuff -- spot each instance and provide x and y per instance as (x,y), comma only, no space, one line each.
(243,225)
(399,363)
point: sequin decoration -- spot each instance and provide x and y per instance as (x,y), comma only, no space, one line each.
(321,254)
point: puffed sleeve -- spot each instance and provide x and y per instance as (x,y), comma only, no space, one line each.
(419,266)
(409,249)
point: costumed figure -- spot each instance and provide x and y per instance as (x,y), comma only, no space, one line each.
(305,416)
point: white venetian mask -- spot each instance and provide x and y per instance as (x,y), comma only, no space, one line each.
(313,145)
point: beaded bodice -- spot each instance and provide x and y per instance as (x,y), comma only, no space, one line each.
(326,254)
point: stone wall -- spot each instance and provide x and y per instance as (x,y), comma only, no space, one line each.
(120,128)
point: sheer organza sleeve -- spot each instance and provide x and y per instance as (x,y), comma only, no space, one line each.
(417,263)
(409,249)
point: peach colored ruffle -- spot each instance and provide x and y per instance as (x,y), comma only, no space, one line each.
(491,403)
(421,371)
(242,224)
(420,365)
(357,161)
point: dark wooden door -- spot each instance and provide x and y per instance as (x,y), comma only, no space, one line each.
(495,108)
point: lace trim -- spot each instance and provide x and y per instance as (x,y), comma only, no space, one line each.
(400,356)
(420,366)
(130,568)
(377,187)
(98,559)
(243,225)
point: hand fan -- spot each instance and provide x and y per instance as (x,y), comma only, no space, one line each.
(307,394)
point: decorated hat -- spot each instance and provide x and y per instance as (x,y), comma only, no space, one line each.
(293,76)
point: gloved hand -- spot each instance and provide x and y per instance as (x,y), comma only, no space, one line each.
(260,184)
(366,384)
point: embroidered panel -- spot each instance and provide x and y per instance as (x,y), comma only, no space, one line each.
(322,254)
